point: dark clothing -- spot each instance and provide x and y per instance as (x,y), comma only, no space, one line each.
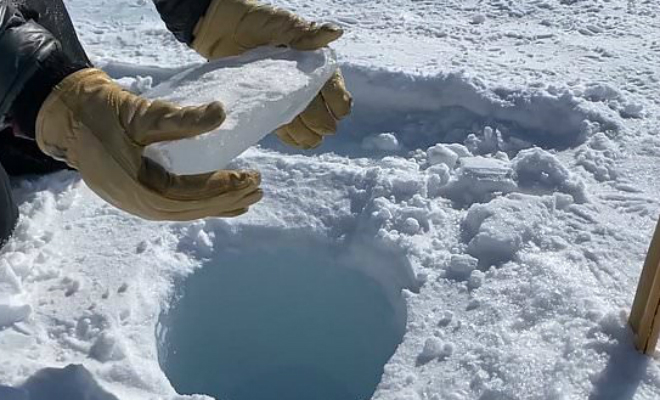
(8,208)
(21,157)
(24,45)
(38,48)
(181,16)
(36,53)
(40,35)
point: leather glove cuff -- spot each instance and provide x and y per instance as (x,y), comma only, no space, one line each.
(58,143)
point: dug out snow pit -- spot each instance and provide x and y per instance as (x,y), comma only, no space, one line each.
(396,112)
(286,323)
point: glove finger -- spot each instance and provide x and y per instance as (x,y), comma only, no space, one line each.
(303,135)
(337,98)
(219,205)
(318,118)
(317,37)
(284,136)
(267,25)
(163,121)
(225,184)
(186,210)
(248,199)
(195,187)
(233,213)
(155,194)
(222,206)
(192,215)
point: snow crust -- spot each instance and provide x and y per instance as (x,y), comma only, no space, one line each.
(261,91)
(521,193)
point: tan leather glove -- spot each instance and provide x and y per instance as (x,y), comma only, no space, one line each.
(231,27)
(96,127)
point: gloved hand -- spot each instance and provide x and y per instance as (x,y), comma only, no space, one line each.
(231,27)
(101,130)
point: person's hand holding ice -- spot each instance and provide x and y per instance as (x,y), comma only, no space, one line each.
(93,125)
(101,130)
(232,27)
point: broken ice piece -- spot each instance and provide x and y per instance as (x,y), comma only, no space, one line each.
(261,91)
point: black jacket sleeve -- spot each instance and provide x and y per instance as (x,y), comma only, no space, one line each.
(181,16)
(38,48)
(23,46)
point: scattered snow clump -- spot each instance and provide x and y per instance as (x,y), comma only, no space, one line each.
(480,179)
(12,308)
(461,266)
(382,142)
(441,154)
(434,348)
(537,169)
(438,176)
(497,230)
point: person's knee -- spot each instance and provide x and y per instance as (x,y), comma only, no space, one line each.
(8,209)
(8,222)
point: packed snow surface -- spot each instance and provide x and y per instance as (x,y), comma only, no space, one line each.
(502,156)
(260,90)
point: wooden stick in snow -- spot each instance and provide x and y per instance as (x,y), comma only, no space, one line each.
(645,313)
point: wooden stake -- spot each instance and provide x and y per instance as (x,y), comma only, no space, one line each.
(645,313)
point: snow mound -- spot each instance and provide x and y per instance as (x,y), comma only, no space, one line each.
(538,169)
(73,382)
(261,91)
(434,348)
(13,308)
(496,231)
(461,267)
(441,154)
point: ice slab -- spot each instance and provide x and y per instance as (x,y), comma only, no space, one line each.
(261,90)
(479,179)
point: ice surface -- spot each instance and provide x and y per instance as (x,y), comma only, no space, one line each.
(478,179)
(261,90)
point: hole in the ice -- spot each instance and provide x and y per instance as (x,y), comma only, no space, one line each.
(294,322)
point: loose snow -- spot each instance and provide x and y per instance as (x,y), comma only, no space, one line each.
(498,176)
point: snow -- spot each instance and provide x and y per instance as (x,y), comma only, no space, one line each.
(516,262)
(434,348)
(13,308)
(382,141)
(261,91)
(461,266)
(441,154)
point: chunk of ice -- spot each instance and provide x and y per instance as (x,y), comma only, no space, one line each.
(261,90)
